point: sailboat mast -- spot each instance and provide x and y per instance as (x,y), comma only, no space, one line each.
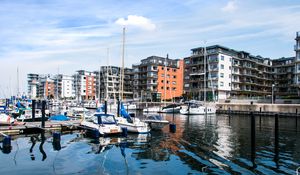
(18,81)
(122,69)
(106,89)
(165,81)
(205,79)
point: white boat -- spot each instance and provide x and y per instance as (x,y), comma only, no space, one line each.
(172,108)
(156,122)
(104,123)
(26,115)
(133,125)
(153,109)
(197,109)
(6,119)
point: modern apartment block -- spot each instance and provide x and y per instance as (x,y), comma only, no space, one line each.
(157,78)
(110,83)
(46,87)
(64,86)
(32,83)
(229,73)
(85,85)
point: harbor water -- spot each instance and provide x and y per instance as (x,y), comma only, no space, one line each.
(201,145)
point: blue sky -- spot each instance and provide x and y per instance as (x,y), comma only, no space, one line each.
(42,36)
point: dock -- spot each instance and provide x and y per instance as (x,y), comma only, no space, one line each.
(32,127)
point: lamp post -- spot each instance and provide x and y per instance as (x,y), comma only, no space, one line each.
(273,85)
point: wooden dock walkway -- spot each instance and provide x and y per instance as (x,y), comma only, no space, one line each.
(32,127)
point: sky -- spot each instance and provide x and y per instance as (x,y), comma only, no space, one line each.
(55,36)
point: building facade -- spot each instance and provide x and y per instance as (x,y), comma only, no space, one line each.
(157,78)
(229,74)
(85,85)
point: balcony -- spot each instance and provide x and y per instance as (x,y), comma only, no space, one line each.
(196,73)
(296,47)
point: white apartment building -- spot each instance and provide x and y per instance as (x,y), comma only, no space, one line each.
(66,86)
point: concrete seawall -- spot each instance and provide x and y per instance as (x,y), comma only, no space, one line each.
(276,108)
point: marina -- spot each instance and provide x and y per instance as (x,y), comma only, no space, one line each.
(217,144)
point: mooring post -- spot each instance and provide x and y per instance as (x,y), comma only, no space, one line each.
(118,108)
(33,110)
(276,146)
(43,113)
(252,137)
(56,141)
(105,107)
(260,117)
(189,105)
(6,144)
(296,118)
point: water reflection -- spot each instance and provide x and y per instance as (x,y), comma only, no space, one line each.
(211,144)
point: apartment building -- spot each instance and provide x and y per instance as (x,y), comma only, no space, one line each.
(110,83)
(85,85)
(229,73)
(32,83)
(46,87)
(64,85)
(157,78)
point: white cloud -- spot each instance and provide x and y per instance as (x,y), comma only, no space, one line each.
(137,21)
(230,6)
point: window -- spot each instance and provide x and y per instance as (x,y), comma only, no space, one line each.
(174,76)
(222,75)
(162,75)
(167,82)
(162,81)
(186,85)
(174,88)
(222,66)
(174,70)
(167,88)
(168,69)
(222,58)
(229,75)
(162,68)
(229,67)
(229,84)
(162,87)
(221,84)
(174,82)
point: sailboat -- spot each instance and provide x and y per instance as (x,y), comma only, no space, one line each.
(197,108)
(133,125)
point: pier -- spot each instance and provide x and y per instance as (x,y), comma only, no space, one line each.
(32,127)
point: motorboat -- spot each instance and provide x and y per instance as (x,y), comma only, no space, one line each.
(6,119)
(197,109)
(132,124)
(156,122)
(172,108)
(153,109)
(105,123)
(26,115)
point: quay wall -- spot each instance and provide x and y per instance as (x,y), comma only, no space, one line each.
(280,108)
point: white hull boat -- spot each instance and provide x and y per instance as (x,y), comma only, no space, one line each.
(156,122)
(106,124)
(198,110)
(151,109)
(135,125)
(6,119)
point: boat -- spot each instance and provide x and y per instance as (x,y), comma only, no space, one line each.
(26,115)
(194,109)
(6,119)
(172,108)
(132,124)
(106,124)
(156,122)
(153,109)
